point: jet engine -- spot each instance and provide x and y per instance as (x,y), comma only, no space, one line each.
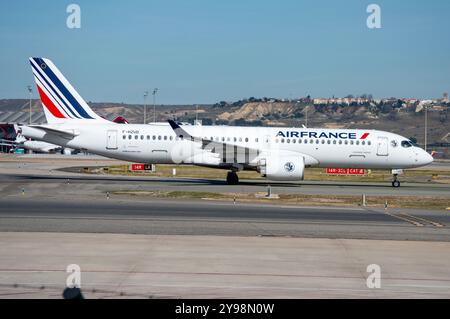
(67,151)
(289,168)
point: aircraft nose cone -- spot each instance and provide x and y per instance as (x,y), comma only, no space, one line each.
(426,158)
(430,159)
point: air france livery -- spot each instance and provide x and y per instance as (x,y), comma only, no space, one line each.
(279,154)
(323,134)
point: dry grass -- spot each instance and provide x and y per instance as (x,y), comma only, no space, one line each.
(424,202)
(311,174)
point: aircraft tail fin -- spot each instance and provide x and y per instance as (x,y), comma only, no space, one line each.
(60,100)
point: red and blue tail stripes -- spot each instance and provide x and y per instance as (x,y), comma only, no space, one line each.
(49,105)
(57,95)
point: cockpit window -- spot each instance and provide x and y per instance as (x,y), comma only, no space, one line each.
(406,144)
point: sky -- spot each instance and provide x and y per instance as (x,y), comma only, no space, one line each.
(205,51)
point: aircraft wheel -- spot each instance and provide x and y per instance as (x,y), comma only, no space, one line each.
(232,178)
(396,184)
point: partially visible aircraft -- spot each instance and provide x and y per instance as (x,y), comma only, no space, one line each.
(37,146)
(21,141)
(120,120)
(277,153)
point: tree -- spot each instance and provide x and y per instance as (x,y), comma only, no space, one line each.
(207,121)
(443,116)
(392,115)
(221,122)
(386,108)
(298,114)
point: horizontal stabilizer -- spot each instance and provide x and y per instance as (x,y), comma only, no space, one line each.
(63,133)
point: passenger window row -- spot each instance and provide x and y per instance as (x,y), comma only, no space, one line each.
(170,138)
(246,139)
(317,141)
(148,137)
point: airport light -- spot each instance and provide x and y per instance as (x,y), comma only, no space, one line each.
(425,108)
(30,90)
(145,106)
(306,116)
(155,90)
(196,114)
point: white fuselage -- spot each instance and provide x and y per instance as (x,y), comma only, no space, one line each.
(158,144)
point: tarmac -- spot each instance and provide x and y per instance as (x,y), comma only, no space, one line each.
(138,247)
(75,214)
(33,265)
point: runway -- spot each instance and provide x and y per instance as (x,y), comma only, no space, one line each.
(175,217)
(33,265)
(116,183)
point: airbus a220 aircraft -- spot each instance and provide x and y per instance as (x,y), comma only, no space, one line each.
(279,154)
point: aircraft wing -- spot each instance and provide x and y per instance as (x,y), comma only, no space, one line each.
(230,153)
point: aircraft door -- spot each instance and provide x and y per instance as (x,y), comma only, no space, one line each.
(111,140)
(266,142)
(382,146)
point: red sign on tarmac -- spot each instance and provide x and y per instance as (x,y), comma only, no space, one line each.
(140,167)
(346,171)
(137,167)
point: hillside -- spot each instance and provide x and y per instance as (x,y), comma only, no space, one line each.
(132,112)
(404,120)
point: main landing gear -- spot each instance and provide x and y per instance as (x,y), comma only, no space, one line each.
(232,178)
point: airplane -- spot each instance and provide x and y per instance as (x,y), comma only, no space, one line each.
(36,146)
(277,153)
(17,140)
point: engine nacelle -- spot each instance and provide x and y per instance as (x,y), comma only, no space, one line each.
(286,168)
(67,151)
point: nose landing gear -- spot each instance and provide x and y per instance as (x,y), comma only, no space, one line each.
(395,182)
(395,173)
(232,178)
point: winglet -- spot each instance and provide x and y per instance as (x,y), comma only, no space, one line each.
(173,124)
(179,131)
